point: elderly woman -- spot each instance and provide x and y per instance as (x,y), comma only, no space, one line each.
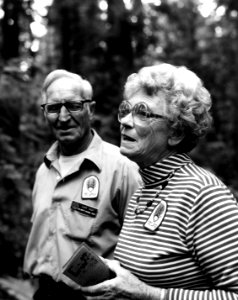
(180,234)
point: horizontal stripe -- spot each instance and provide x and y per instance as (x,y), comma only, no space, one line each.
(194,251)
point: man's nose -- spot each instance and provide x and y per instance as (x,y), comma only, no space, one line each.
(64,114)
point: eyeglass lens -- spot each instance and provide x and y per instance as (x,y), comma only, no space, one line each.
(71,106)
(139,111)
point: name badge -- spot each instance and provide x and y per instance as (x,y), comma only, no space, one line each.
(84,209)
(156,217)
(90,188)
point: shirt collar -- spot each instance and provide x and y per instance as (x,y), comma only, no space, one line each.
(162,170)
(93,153)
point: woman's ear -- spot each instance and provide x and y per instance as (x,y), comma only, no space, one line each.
(174,139)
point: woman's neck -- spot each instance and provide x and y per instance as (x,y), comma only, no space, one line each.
(145,164)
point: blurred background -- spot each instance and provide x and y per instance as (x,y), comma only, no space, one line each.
(104,41)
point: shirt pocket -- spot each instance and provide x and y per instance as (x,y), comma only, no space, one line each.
(75,224)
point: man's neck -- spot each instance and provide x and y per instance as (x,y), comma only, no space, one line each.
(73,149)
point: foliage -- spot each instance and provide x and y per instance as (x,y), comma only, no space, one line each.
(105,46)
(22,132)
(100,47)
(15,289)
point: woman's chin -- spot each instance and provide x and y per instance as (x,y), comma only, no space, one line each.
(127,151)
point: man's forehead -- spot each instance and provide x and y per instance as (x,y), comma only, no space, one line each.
(64,82)
(63,86)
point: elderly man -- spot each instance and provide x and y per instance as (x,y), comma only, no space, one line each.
(81,189)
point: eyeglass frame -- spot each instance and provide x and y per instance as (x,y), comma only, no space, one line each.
(133,111)
(62,103)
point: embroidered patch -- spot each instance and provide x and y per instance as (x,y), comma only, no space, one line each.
(156,217)
(90,188)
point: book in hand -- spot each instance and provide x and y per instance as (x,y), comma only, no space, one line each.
(86,268)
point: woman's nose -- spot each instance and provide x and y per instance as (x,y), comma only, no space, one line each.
(127,120)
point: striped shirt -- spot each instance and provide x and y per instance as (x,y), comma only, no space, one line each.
(193,252)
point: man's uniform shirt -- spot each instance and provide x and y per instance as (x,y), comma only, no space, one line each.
(87,204)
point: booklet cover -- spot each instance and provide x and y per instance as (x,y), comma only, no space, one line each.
(85,267)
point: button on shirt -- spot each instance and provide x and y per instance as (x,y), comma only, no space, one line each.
(57,230)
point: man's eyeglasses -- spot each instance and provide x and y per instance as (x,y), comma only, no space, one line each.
(140,112)
(71,106)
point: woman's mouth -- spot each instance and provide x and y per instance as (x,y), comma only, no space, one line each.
(127,138)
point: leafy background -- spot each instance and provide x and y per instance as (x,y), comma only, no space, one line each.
(104,41)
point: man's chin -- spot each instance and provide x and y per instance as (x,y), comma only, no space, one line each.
(65,139)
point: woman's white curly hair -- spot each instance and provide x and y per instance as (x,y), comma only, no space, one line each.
(188,101)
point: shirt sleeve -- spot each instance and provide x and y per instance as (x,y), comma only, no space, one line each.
(212,236)
(130,181)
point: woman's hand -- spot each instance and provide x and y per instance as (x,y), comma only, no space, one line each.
(123,286)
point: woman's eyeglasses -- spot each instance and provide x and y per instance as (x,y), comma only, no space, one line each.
(140,112)
(71,106)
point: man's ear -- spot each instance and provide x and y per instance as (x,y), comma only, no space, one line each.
(91,110)
(44,113)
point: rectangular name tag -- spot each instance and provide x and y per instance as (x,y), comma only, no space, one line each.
(84,209)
